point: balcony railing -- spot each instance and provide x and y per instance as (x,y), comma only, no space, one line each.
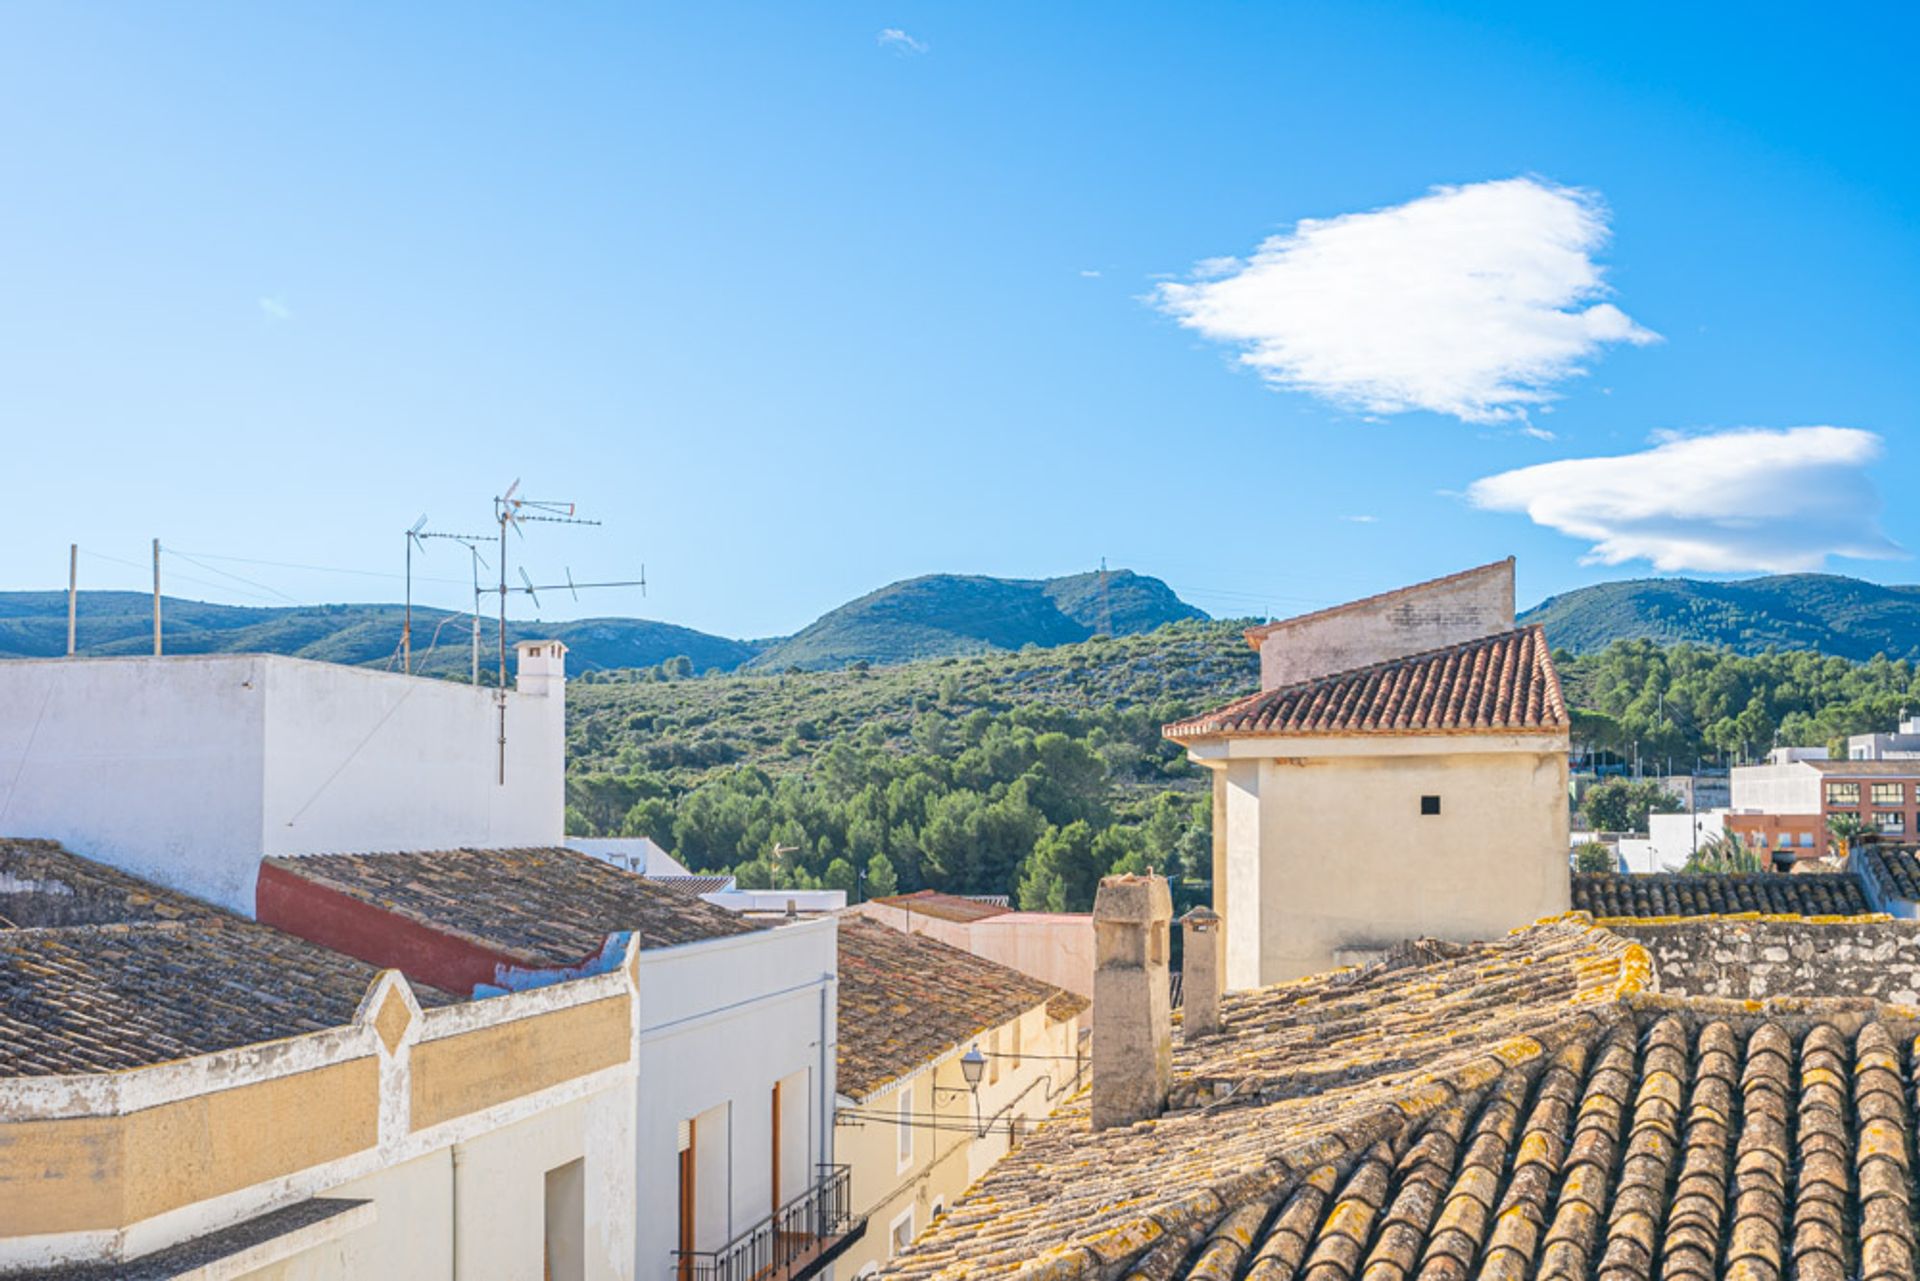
(792,1243)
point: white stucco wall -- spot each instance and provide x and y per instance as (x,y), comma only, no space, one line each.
(1447,611)
(1672,838)
(1327,852)
(187,770)
(1776,789)
(720,1023)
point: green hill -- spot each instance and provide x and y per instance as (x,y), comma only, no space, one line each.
(939,615)
(34,625)
(1828,613)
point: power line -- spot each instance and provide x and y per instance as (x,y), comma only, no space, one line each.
(215,569)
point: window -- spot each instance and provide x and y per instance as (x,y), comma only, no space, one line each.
(939,1208)
(1843,793)
(1429,804)
(1806,838)
(900,1234)
(903,1123)
(993,1058)
(1016,1042)
(1889,793)
(567,1222)
(1894,821)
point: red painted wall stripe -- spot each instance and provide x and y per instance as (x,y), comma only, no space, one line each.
(288,901)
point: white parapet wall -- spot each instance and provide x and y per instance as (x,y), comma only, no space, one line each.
(188,770)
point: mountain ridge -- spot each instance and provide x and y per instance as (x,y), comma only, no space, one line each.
(935,615)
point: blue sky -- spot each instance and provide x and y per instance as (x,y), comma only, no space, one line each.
(799,308)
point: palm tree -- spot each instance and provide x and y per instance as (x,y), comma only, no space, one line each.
(1844,829)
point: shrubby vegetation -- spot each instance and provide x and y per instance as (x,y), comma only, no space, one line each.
(1033,774)
(1618,805)
(1688,701)
(1029,774)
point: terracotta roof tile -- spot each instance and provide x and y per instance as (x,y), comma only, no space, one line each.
(1894,870)
(946,907)
(1518,1109)
(1499,683)
(159,977)
(906,999)
(550,906)
(1613,894)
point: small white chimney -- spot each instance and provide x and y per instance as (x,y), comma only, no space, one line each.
(540,669)
(1133,1019)
(1199,974)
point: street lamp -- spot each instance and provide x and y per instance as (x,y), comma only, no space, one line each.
(972,1064)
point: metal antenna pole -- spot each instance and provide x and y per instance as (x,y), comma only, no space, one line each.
(73,588)
(406,628)
(156,598)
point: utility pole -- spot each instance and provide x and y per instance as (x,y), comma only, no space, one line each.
(73,587)
(156,598)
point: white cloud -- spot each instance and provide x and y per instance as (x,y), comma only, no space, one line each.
(1361,520)
(900,42)
(1090,273)
(1753,499)
(275,310)
(1471,301)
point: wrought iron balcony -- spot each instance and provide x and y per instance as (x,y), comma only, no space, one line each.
(793,1243)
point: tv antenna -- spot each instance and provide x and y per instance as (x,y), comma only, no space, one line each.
(510,511)
(417,537)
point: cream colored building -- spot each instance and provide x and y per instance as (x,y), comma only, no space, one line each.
(212,1098)
(1420,791)
(914,1132)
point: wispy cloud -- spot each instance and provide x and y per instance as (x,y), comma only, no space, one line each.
(275,310)
(1472,301)
(900,42)
(1090,273)
(1752,499)
(1361,520)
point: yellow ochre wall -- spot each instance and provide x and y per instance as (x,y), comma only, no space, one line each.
(947,1160)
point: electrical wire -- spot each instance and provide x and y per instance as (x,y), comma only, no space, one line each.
(215,569)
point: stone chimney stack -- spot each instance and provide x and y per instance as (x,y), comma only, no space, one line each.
(1200,973)
(1133,1033)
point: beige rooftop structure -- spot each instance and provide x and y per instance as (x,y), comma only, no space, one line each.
(1469,605)
(1402,773)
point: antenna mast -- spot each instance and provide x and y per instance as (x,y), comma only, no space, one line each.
(512,511)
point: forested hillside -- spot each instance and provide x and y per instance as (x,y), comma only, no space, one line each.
(940,615)
(1035,773)
(1031,773)
(1687,701)
(1847,617)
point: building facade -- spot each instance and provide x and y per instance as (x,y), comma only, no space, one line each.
(221,760)
(737,1023)
(185,1093)
(913,1131)
(1792,805)
(1422,795)
(1054,947)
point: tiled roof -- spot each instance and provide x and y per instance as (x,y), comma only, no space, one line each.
(1255,635)
(1499,683)
(946,907)
(906,999)
(1894,870)
(1521,1109)
(1307,1081)
(42,884)
(695,885)
(167,977)
(1613,894)
(549,906)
